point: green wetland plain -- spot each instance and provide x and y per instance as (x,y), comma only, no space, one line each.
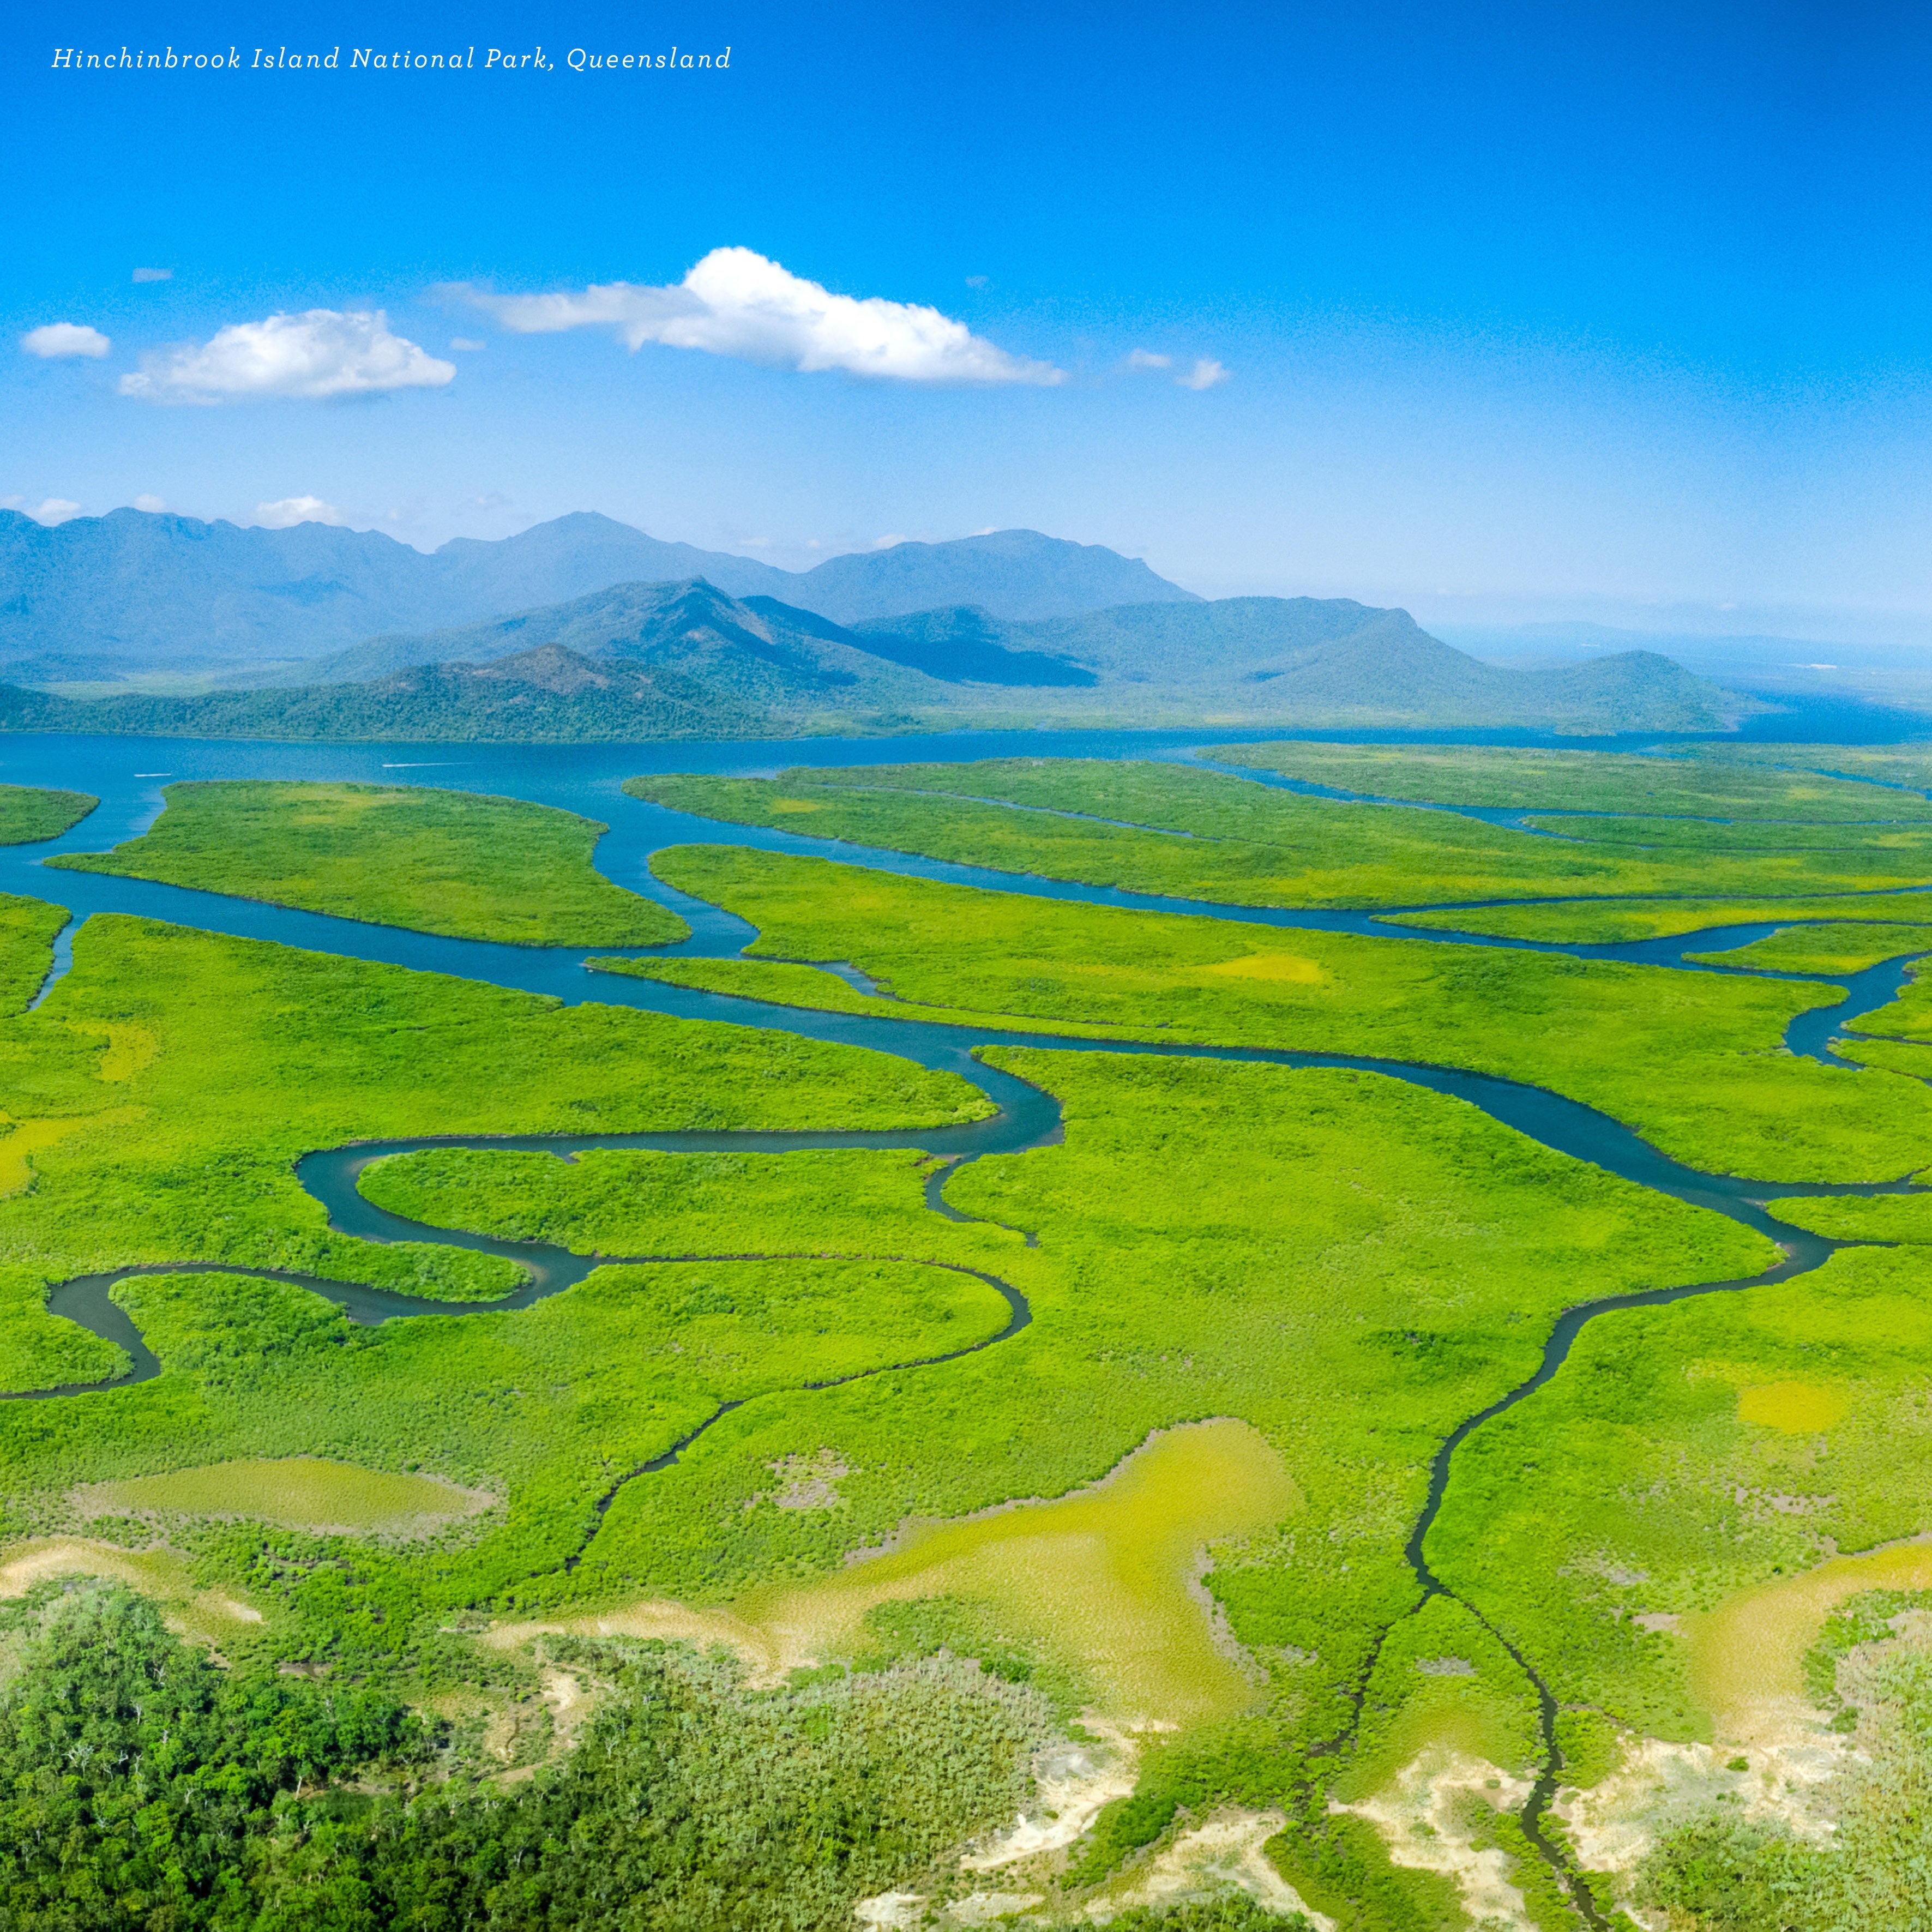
(1305,1335)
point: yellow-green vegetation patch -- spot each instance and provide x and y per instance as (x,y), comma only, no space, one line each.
(1290,967)
(1686,784)
(300,1492)
(1715,1085)
(1798,1408)
(452,863)
(1688,1455)
(21,1140)
(1747,1655)
(1103,1574)
(1849,948)
(29,813)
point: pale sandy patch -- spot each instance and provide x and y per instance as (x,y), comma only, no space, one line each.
(984,1908)
(1426,1793)
(159,1573)
(567,1705)
(766,1660)
(1223,1855)
(811,1482)
(33,1563)
(1071,1783)
(570,1704)
(891,1910)
(1614,1824)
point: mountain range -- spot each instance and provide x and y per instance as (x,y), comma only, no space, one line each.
(685,659)
(137,592)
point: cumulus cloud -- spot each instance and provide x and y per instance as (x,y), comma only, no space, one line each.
(1145,358)
(154,505)
(319,354)
(1205,375)
(154,275)
(293,510)
(467,342)
(735,302)
(64,338)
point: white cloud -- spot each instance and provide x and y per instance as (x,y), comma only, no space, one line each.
(1145,358)
(293,510)
(1204,375)
(736,303)
(466,343)
(154,505)
(315,356)
(154,275)
(64,338)
(53,510)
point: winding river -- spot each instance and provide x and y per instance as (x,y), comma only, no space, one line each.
(127,774)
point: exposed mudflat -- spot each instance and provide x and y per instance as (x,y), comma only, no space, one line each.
(298,1492)
(1106,1574)
(1424,1816)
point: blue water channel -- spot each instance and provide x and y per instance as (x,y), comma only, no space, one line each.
(127,774)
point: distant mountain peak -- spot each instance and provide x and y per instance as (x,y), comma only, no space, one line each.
(136,591)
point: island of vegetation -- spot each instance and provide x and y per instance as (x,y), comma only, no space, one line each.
(30,813)
(441,861)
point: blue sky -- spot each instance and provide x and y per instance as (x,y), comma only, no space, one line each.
(1619,314)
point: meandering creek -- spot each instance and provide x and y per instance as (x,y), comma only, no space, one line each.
(127,774)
